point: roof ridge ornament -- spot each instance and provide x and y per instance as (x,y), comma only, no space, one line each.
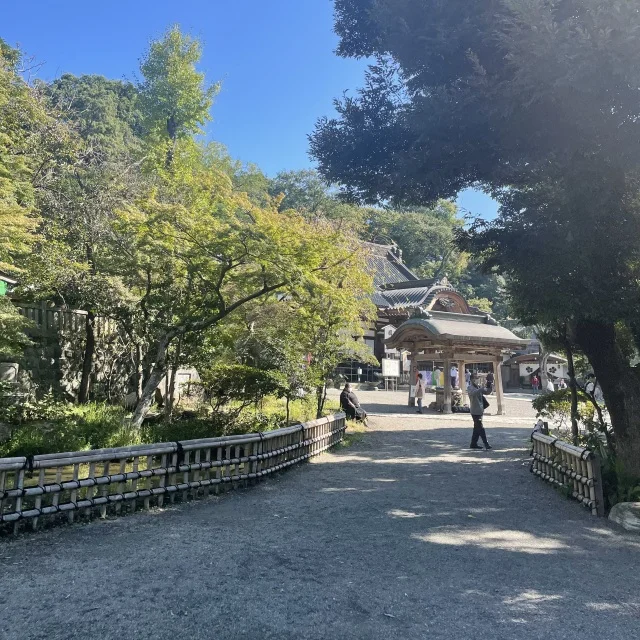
(489,319)
(420,313)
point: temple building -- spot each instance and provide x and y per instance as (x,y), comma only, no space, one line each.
(399,292)
(429,326)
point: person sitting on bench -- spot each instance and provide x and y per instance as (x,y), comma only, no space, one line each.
(350,405)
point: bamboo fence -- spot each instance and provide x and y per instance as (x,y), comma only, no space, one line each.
(111,481)
(575,469)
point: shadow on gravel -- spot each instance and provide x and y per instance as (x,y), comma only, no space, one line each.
(405,534)
(479,528)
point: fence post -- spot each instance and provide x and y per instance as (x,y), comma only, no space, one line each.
(596,469)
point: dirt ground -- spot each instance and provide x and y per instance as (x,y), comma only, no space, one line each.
(404,534)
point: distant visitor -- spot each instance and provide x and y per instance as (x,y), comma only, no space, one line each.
(351,406)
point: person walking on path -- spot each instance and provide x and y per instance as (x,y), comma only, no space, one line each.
(535,383)
(477,405)
(454,376)
(490,381)
(419,392)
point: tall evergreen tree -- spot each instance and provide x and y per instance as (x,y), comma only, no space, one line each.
(537,101)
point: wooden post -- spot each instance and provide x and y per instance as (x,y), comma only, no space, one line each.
(18,503)
(38,503)
(446,407)
(74,492)
(413,373)
(596,490)
(498,382)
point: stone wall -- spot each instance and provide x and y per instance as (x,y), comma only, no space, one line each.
(54,361)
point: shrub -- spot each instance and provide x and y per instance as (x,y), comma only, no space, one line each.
(37,438)
(214,426)
(235,383)
(50,426)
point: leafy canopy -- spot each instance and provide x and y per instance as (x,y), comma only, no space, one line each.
(174,98)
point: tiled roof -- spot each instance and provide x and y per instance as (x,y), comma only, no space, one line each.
(405,297)
(455,328)
(396,286)
(385,267)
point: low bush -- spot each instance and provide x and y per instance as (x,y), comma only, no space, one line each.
(53,427)
(50,426)
(213,426)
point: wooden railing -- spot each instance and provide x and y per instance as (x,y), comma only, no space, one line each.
(108,481)
(574,468)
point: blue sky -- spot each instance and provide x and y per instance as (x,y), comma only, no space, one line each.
(275,59)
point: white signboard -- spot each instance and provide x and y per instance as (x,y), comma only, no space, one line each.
(389,330)
(390,368)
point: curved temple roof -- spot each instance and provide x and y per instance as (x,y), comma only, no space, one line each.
(441,328)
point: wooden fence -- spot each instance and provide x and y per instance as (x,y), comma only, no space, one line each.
(126,478)
(574,468)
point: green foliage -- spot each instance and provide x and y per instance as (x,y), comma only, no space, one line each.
(483,92)
(104,113)
(425,235)
(174,98)
(13,338)
(51,426)
(21,119)
(535,102)
(618,485)
(212,426)
(555,406)
(225,384)
(483,304)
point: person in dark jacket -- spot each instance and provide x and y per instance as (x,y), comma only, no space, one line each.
(350,405)
(476,395)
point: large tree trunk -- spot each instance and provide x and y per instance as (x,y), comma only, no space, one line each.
(144,404)
(543,359)
(321,394)
(170,401)
(87,362)
(139,372)
(620,385)
(573,387)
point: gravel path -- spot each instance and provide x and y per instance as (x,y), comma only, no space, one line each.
(404,534)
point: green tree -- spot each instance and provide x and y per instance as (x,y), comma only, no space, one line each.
(31,145)
(195,262)
(537,102)
(307,193)
(104,113)
(22,117)
(425,235)
(174,98)
(73,262)
(303,337)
